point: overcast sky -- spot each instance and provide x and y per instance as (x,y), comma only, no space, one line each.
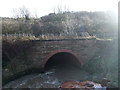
(44,7)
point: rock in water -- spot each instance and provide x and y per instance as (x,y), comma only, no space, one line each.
(104,82)
(86,85)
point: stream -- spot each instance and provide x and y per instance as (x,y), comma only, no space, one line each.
(51,78)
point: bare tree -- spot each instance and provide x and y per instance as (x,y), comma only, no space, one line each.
(58,9)
(61,9)
(35,15)
(22,12)
(66,8)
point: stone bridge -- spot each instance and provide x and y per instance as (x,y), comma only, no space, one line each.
(81,50)
(41,51)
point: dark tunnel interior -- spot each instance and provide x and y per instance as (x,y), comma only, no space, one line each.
(62,60)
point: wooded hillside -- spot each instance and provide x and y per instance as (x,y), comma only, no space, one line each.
(101,24)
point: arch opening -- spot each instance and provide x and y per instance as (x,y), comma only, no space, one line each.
(63,60)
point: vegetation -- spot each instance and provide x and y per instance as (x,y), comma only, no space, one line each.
(105,64)
(99,24)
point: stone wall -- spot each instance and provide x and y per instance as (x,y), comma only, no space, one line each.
(36,56)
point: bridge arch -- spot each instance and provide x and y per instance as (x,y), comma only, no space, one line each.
(62,56)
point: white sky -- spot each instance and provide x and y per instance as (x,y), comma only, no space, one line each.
(44,7)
